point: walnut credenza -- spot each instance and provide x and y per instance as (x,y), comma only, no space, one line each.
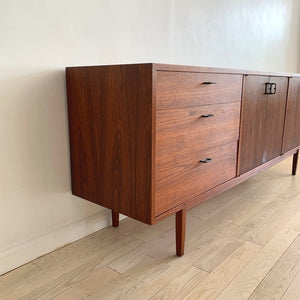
(151,140)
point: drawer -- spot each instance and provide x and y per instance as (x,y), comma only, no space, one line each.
(183,89)
(180,132)
(190,177)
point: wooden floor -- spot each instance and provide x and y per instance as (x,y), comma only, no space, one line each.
(243,244)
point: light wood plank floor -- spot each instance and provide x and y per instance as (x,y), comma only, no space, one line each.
(243,244)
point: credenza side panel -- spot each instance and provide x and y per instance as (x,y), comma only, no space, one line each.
(292,121)
(110,127)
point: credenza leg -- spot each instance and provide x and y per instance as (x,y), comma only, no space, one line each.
(180,231)
(295,162)
(115,218)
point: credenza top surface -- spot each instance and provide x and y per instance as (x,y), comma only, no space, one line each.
(186,68)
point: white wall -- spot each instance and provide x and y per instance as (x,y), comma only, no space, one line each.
(38,38)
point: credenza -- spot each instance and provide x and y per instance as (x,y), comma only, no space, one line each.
(151,140)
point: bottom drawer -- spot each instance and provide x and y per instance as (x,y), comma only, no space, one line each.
(194,175)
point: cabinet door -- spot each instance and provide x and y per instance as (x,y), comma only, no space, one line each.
(275,120)
(262,121)
(253,120)
(292,121)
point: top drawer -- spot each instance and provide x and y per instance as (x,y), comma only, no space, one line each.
(183,89)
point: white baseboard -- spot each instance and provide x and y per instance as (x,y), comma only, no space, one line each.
(23,253)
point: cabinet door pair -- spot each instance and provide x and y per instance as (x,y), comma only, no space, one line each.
(270,125)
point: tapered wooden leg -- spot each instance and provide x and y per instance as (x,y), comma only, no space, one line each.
(180,231)
(115,218)
(295,162)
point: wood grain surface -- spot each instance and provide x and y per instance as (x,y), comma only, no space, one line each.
(253,120)
(110,124)
(262,121)
(292,120)
(182,89)
(189,177)
(183,131)
(275,115)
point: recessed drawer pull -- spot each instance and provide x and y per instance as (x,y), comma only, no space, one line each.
(208,82)
(206,160)
(207,116)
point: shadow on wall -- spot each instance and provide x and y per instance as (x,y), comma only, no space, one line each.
(34,155)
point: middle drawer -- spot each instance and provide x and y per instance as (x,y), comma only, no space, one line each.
(182,132)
